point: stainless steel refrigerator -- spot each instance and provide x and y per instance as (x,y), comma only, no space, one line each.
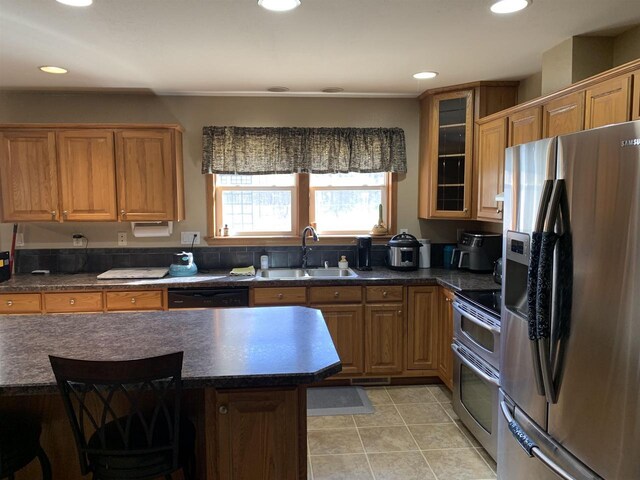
(570,338)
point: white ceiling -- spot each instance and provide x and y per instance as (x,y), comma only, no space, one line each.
(234,46)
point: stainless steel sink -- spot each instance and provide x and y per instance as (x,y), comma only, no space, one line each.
(306,273)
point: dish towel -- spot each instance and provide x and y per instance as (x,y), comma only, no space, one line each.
(243,271)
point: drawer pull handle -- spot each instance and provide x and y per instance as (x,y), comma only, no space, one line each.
(280,296)
(72,301)
(384,294)
(223,409)
(9,303)
(133,299)
(336,294)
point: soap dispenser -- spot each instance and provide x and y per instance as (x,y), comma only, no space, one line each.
(343,263)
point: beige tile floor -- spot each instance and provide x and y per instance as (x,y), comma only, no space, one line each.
(414,434)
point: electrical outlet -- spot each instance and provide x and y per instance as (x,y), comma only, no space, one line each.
(77,240)
(19,240)
(187,237)
(122,239)
(404,230)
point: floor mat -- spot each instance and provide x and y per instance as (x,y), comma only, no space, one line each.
(338,401)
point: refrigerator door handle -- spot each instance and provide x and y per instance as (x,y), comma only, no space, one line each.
(532,282)
(473,368)
(529,446)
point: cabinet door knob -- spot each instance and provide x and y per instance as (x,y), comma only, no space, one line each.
(72,301)
(123,213)
(9,303)
(385,293)
(53,214)
(465,210)
(133,299)
(336,294)
(280,296)
(399,312)
(223,409)
(65,213)
(498,210)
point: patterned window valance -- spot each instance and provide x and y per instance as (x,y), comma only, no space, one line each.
(263,150)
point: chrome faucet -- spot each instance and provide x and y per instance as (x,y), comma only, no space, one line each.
(305,249)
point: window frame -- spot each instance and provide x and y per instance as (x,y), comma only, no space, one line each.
(302,198)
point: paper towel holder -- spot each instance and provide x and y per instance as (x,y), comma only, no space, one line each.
(152,229)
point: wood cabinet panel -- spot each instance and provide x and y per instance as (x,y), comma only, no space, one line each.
(525,126)
(134,300)
(422,323)
(335,295)
(257,434)
(280,296)
(20,303)
(69,302)
(385,293)
(635,105)
(29,179)
(87,175)
(146,175)
(346,326)
(608,102)
(563,115)
(492,140)
(383,339)
(445,337)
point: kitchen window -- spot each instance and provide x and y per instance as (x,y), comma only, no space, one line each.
(260,209)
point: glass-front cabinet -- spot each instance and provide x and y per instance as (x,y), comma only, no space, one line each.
(450,147)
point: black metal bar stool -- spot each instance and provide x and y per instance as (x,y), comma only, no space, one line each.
(20,444)
(150,439)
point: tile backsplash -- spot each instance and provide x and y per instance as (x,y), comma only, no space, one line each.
(207,258)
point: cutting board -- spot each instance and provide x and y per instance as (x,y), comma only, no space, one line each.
(130,273)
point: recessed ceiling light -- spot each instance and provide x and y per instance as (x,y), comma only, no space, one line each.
(52,69)
(509,6)
(76,3)
(279,5)
(333,90)
(423,75)
(278,89)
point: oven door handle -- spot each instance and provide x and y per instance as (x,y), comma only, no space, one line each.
(480,323)
(473,368)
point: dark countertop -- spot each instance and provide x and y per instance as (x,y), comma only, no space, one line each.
(225,348)
(453,279)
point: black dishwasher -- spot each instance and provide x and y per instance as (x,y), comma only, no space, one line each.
(208,297)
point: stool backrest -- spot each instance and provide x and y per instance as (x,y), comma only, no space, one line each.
(142,394)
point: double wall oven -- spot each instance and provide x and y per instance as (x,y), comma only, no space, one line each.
(476,348)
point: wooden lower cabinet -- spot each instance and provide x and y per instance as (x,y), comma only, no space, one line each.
(445,337)
(383,338)
(20,303)
(258,434)
(346,326)
(280,296)
(422,321)
(71,302)
(134,300)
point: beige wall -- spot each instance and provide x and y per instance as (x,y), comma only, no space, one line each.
(626,46)
(530,87)
(591,55)
(556,67)
(195,112)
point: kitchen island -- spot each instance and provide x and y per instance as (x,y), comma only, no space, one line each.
(245,374)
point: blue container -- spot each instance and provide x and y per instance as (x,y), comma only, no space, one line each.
(448,253)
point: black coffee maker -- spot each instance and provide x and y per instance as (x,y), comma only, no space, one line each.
(363,257)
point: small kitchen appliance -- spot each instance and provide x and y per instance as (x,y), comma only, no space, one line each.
(477,251)
(5,266)
(363,257)
(497,271)
(183,265)
(404,252)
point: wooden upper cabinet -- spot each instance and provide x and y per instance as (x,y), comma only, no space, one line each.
(87,175)
(422,328)
(145,175)
(563,115)
(492,141)
(525,126)
(608,102)
(28,176)
(450,154)
(635,111)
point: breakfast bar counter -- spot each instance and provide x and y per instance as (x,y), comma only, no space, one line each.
(245,374)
